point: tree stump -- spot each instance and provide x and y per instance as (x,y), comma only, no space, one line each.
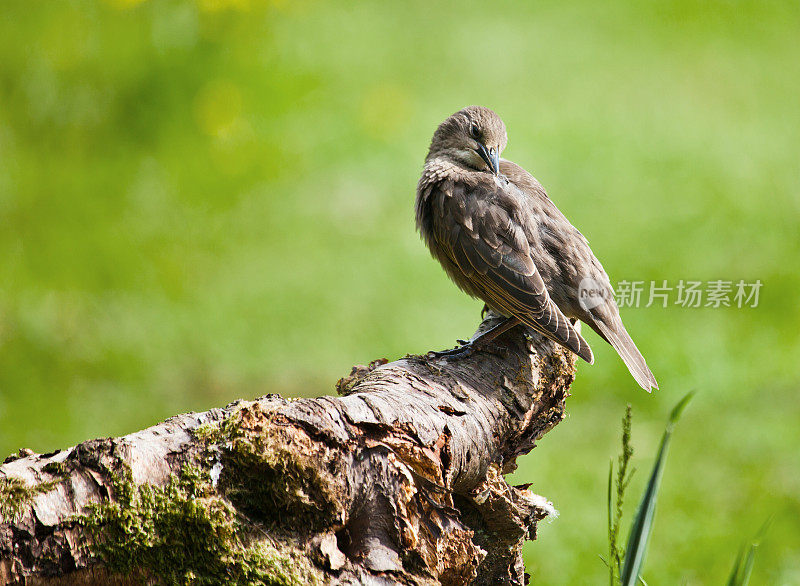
(398,480)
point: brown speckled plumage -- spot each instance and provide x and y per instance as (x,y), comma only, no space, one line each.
(501,239)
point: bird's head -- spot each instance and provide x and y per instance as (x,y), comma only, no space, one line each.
(473,137)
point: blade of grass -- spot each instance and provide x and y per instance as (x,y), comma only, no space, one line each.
(611,545)
(743,567)
(643,522)
(740,576)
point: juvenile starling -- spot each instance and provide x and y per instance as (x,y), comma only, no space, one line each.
(500,238)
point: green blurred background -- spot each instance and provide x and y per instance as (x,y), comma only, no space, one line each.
(213,200)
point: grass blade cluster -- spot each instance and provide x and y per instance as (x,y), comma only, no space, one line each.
(642,526)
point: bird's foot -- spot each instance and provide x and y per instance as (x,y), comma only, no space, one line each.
(465,350)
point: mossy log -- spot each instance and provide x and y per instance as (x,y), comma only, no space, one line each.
(399,480)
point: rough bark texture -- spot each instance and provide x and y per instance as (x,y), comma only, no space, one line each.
(399,480)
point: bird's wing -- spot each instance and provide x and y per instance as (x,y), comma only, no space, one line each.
(492,250)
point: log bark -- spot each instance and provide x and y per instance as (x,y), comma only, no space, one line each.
(398,480)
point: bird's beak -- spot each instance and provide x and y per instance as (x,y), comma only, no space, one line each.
(491,156)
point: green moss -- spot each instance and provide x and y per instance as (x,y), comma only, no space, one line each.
(184,533)
(15,495)
(55,468)
(278,483)
(220,431)
(267,477)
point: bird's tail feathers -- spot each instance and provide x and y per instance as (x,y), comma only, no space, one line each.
(566,335)
(619,338)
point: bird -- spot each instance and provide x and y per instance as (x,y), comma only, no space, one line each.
(501,239)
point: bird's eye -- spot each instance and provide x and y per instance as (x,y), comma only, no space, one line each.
(474,131)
